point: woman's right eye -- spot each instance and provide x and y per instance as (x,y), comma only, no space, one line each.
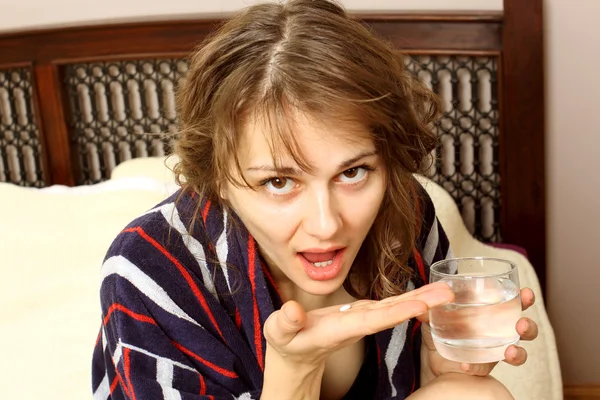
(280,186)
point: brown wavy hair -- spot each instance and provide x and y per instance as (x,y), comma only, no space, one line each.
(310,57)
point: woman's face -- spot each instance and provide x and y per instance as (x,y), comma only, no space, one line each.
(309,227)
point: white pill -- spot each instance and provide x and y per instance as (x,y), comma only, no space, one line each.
(345,307)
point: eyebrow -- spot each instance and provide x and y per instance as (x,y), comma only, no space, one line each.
(295,171)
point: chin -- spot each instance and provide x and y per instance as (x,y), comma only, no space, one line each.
(322,287)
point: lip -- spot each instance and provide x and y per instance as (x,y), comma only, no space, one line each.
(327,273)
(326,250)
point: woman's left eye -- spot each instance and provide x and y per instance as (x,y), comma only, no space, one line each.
(353,175)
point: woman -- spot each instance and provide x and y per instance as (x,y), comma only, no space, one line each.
(292,263)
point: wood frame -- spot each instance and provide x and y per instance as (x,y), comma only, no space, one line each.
(515,35)
(582,392)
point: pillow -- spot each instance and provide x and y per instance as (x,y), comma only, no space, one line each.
(157,168)
(52,243)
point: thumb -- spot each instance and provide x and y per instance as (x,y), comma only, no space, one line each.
(283,325)
(424,317)
(439,365)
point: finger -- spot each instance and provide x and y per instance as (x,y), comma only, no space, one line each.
(368,321)
(527,298)
(446,295)
(416,292)
(477,369)
(424,318)
(527,329)
(440,365)
(515,355)
(436,293)
(283,325)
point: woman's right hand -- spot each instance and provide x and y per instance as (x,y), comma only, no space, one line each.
(305,340)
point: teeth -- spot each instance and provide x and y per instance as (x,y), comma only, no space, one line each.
(322,263)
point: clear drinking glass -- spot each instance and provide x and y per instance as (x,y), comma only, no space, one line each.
(480,323)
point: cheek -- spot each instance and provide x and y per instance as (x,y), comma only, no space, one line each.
(360,211)
(360,218)
(270,225)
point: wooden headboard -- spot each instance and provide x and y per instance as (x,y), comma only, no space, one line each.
(75,102)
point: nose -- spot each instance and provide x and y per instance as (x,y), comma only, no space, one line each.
(322,219)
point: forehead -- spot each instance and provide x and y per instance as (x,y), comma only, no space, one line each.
(316,142)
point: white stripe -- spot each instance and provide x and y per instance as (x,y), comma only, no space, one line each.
(156,356)
(121,266)
(171,215)
(432,243)
(223,249)
(103,339)
(243,396)
(394,350)
(453,265)
(450,253)
(164,377)
(118,353)
(103,390)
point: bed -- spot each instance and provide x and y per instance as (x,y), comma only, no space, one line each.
(81,104)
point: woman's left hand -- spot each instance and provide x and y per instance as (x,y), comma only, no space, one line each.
(514,355)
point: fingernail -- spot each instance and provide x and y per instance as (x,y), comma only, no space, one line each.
(512,352)
(526,326)
(465,367)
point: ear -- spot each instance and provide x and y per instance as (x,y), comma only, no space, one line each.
(223,192)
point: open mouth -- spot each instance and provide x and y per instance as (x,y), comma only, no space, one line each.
(322,265)
(320,260)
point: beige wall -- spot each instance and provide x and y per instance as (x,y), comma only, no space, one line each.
(573,165)
(26,14)
(573,140)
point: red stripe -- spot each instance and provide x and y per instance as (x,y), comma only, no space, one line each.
(238,319)
(270,278)
(216,368)
(123,385)
(203,388)
(113,385)
(183,272)
(412,342)
(98,338)
(414,332)
(252,276)
(120,379)
(417,209)
(378,355)
(134,315)
(127,367)
(420,265)
(202,385)
(205,211)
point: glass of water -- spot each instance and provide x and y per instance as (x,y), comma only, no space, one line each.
(480,323)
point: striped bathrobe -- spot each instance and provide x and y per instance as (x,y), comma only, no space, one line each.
(182,315)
